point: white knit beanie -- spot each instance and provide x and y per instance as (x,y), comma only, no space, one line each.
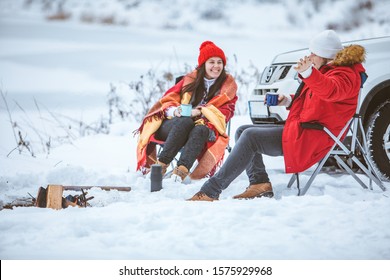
(326,44)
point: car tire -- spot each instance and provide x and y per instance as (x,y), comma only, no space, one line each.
(378,139)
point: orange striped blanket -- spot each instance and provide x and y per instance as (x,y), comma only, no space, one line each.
(216,113)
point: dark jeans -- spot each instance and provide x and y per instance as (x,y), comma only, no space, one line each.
(181,133)
(252,141)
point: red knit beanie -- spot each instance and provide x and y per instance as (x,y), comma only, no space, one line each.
(209,49)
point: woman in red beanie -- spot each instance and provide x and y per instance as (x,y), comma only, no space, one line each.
(201,135)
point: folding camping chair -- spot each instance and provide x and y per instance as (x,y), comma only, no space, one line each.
(339,149)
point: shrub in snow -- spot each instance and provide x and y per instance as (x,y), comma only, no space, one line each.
(133,100)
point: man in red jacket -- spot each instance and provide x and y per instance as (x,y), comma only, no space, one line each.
(328,95)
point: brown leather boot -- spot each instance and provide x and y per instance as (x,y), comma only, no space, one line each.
(181,171)
(164,167)
(257,190)
(201,196)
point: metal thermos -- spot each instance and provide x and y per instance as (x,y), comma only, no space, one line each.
(156,178)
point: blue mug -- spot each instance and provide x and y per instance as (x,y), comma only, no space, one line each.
(272,98)
(186,110)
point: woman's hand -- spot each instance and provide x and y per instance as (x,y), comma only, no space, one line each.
(303,64)
(177,112)
(196,112)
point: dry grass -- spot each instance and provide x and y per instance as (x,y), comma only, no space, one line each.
(60,16)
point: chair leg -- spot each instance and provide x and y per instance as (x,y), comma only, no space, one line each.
(313,176)
(292,180)
(349,170)
(370,172)
(294,177)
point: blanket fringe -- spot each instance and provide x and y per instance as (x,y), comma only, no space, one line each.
(156,116)
(215,167)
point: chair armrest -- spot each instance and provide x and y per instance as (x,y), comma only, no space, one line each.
(311,125)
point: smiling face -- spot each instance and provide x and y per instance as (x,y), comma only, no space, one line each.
(317,60)
(214,67)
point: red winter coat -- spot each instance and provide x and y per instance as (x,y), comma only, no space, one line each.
(329,97)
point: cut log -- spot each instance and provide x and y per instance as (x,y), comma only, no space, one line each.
(54,197)
(41,198)
(106,188)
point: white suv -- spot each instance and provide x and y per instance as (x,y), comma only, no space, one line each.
(281,77)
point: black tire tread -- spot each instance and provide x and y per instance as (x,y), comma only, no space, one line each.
(376,127)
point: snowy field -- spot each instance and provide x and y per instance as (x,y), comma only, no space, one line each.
(52,68)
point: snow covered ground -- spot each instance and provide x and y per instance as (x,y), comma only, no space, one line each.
(52,68)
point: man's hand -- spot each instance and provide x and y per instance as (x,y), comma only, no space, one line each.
(303,64)
(281,98)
